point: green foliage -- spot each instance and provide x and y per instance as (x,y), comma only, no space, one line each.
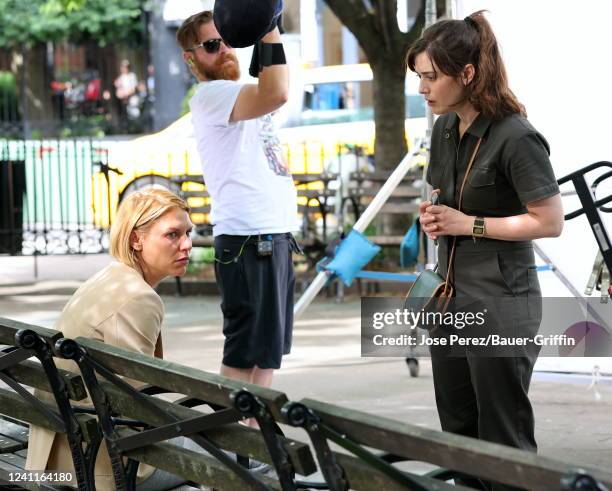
(95,126)
(201,258)
(185,103)
(68,5)
(9,107)
(8,85)
(33,21)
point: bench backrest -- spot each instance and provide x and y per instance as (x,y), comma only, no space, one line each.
(22,341)
(485,460)
(479,458)
(178,378)
(211,388)
(191,465)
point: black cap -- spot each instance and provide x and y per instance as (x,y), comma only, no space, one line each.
(242,23)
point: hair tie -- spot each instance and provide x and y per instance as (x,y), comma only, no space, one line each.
(471,22)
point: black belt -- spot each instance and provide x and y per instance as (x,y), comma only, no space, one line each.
(254,237)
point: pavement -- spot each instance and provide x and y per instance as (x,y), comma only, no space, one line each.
(573,412)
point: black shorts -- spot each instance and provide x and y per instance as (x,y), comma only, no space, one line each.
(256,299)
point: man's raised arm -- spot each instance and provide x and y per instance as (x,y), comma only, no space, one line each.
(272,90)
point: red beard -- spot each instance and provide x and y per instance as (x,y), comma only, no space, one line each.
(221,70)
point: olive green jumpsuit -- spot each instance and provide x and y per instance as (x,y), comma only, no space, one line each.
(486,397)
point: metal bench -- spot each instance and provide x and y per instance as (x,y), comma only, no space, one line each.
(18,407)
(361,434)
(354,449)
(217,431)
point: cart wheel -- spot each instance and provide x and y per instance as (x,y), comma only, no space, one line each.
(152,181)
(413,366)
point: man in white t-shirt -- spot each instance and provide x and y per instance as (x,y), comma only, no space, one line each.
(254,206)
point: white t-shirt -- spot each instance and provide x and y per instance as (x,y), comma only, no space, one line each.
(126,84)
(244,169)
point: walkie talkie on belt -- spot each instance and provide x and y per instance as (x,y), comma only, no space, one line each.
(265,246)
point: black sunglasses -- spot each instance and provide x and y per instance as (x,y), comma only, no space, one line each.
(211,46)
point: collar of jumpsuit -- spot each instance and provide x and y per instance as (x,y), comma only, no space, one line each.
(478,127)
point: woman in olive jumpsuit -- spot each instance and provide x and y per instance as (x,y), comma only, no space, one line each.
(512,191)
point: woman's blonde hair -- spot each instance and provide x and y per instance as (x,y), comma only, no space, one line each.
(138,212)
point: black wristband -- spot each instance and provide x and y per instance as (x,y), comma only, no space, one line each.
(271,54)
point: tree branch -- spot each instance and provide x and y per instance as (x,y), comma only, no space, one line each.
(358,18)
(381,23)
(415,31)
(390,7)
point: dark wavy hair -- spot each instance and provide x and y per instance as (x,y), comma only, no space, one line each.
(453,44)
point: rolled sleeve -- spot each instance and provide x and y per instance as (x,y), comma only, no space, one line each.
(527,166)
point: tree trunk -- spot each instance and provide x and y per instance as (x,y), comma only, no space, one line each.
(389,111)
(38,90)
(108,64)
(374,24)
(389,116)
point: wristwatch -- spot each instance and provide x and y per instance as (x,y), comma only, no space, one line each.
(479,228)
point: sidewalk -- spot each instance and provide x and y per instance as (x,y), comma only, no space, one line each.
(20,270)
(573,419)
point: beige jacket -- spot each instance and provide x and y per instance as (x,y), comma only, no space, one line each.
(115,306)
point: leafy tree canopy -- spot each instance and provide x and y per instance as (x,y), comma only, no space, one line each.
(33,21)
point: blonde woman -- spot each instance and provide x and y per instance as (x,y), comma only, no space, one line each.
(118,306)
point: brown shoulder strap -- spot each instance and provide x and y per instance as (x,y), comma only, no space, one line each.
(451,258)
